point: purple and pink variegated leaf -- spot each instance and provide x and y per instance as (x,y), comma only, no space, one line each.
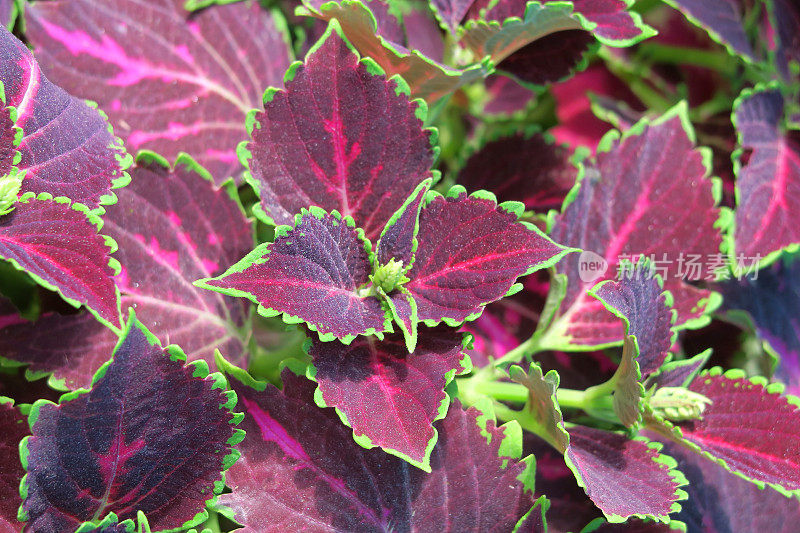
(57,243)
(152,435)
(339,136)
(390,397)
(178,82)
(300,469)
(772,302)
(67,147)
(12,430)
(174,226)
(362,23)
(645,194)
(471,252)
(749,428)
(768,184)
(312,273)
(720,502)
(623,477)
(722,19)
(526,168)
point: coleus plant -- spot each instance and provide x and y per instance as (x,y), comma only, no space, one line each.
(409,283)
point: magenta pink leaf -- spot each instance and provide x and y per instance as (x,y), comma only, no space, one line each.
(58,244)
(645,194)
(526,168)
(312,273)
(471,252)
(768,185)
(750,429)
(722,19)
(174,226)
(152,435)
(340,136)
(388,396)
(12,430)
(180,83)
(67,148)
(301,469)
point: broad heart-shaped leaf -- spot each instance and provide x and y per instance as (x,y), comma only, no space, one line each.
(722,19)
(510,25)
(644,194)
(67,148)
(426,78)
(12,430)
(312,273)
(71,347)
(340,136)
(471,252)
(623,477)
(772,301)
(169,81)
(768,185)
(720,502)
(526,168)
(750,429)
(57,243)
(173,226)
(152,435)
(388,396)
(301,470)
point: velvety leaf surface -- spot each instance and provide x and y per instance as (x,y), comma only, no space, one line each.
(638,299)
(679,373)
(548,59)
(720,502)
(399,238)
(10,136)
(173,226)
(529,169)
(301,469)
(72,347)
(67,147)
(388,396)
(58,244)
(772,300)
(722,19)
(169,82)
(426,78)
(339,137)
(12,429)
(151,435)
(311,273)
(768,185)
(646,194)
(470,253)
(749,426)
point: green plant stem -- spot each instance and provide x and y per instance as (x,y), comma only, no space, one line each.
(526,349)
(719,61)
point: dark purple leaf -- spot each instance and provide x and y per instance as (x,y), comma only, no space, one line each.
(722,19)
(551,58)
(785,17)
(720,502)
(471,252)
(58,244)
(527,168)
(109,524)
(423,33)
(340,136)
(173,226)
(152,435)
(679,373)
(8,13)
(311,273)
(177,83)
(639,300)
(772,300)
(426,78)
(451,12)
(10,137)
(67,147)
(398,239)
(301,469)
(768,184)
(12,430)
(750,429)
(506,96)
(388,396)
(71,347)
(644,194)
